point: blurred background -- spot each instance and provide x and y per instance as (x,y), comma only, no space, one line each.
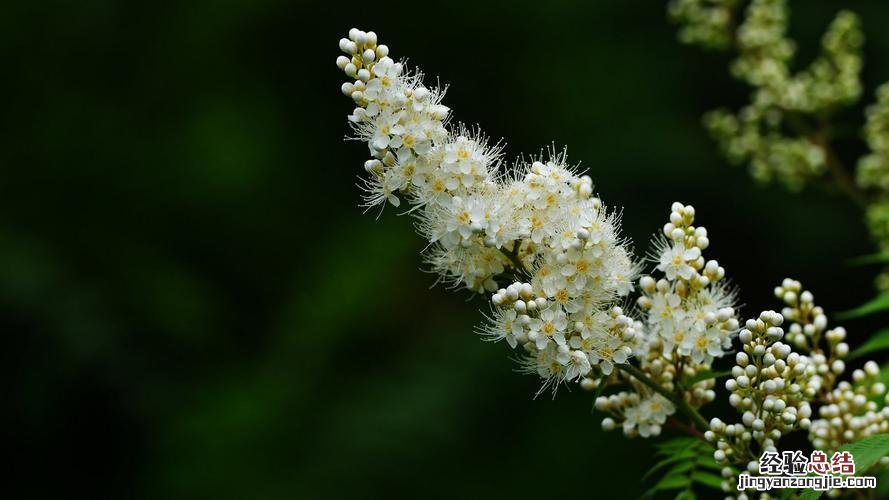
(194,306)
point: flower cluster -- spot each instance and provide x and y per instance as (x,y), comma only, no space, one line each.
(704,22)
(539,221)
(850,410)
(785,133)
(771,387)
(873,169)
(782,100)
(854,410)
(560,275)
(809,333)
(689,310)
(640,414)
(873,173)
(688,320)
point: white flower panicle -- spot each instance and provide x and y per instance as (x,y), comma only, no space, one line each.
(479,221)
(688,321)
(540,221)
(559,273)
(690,309)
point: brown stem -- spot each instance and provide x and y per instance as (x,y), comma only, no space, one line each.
(514,260)
(678,424)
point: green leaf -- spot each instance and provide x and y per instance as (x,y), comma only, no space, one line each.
(877,304)
(810,495)
(705,375)
(684,466)
(688,461)
(681,455)
(686,495)
(708,462)
(876,342)
(865,453)
(868,451)
(670,482)
(676,444)
(707,479)
(786,492)
(874,258)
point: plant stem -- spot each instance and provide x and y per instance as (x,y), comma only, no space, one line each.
(513,257)
(692,431)
(820,136)
(840,174)
(677,400)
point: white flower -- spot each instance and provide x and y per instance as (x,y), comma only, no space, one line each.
(674,262)
(578,365)
(647,417)
(666,314)
(550,325)
(505,324)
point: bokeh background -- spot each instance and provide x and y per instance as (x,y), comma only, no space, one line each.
(194,306)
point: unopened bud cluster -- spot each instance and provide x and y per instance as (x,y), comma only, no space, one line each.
(771,387)
(809,334)
(853,410)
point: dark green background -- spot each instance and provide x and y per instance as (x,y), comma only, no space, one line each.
(194,307)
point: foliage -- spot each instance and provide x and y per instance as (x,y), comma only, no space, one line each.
(684,463)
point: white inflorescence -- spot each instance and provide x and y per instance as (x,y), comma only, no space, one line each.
(690,309)
(559,274)
(539,221)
